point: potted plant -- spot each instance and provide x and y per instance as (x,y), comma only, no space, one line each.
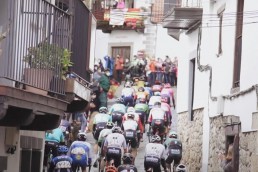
(45,61)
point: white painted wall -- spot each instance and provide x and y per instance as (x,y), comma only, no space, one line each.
(165,44)
(93,42)
(222,67)
(104,39)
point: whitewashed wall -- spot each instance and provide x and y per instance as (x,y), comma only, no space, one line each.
(93,42)
(103,40)
(165,44)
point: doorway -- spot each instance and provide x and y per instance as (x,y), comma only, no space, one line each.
(123,51)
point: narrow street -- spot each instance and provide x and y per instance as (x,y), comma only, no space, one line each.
(140,157)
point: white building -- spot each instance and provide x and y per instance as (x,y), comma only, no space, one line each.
(217,82)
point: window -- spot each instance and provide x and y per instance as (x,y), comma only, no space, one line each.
(191,89)
(220,15)
(238,43)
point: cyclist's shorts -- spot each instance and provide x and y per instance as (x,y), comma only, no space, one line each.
(158,124)
(99,127)
(115,154)
(130,135)
(174,155)
(165,98)
(117,117)
(79,160)
(151,162)
(142,115)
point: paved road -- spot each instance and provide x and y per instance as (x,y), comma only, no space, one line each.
(140,157)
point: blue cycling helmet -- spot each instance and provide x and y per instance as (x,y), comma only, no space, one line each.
(62,149)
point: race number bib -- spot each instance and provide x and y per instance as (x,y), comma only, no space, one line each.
(129,134)
(175,151)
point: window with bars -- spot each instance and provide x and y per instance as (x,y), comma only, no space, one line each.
(238,43)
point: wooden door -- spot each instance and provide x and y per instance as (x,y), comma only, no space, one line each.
(123,51)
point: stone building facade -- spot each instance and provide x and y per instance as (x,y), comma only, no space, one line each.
(191,134)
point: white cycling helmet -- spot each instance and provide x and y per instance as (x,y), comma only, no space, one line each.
(103,109)
(156,93)
(131,110)
(181,168)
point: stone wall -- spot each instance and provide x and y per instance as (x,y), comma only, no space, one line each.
(248,160)
(216,143)
(191,133)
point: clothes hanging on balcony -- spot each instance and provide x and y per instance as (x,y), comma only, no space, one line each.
(117,17)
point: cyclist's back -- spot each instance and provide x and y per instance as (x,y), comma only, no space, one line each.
(117,107)
(81,153)
(174,148)
(141,107)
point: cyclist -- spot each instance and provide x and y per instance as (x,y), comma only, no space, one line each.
(137,118)
(102,136)
(117,111)
(81,152)
(167,109)
(154,155)
(174,149)
(157,87)
(155,98)
(157,120)
(61,163)
(181,168)
(148,89)
(113,145)
(167,94)
(130,128)
(127,164)
(143,110)
(141,94)
(128,94)
(99,123)
(52,139)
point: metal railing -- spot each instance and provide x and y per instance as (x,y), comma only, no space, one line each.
(37,33)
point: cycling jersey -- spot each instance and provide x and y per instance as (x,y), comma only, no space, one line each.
(137,119)
(141,95)
(56,136)
(167,109)
(130,124)
(118,107)
(103,134)
(155,150)
(174,150)
(81,153)
(116,140)
(157,113)
(141,107)
(154,99)
(127,92)
(101,118)
(140,83)
(126,168)
(148,90)
(61,163)
(156,88)
(167,91)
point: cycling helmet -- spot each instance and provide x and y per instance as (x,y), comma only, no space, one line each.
(157,104)
(128,84)
(181,168)
(130,115)
(131,110)
(127,158)
(103,110)
(110,169)
(173,134)
(110,125)
(120,100)
(62,149)
(141,89)
(146,84)
(155,138)
(167,85)
(157,82)
(81,136)
(116,130)
(156,93)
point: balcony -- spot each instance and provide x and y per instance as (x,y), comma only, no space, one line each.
(34,37)
(183,15)
(121,17)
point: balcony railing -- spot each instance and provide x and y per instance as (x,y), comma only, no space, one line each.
(31,52)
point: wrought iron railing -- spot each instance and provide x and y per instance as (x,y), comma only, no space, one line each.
(36,35)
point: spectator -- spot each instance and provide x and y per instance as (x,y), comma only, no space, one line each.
(152,68)
(94,107)
(226,160)
(119,66)
(96,75)
(109,64)
(104,85)
(159,72)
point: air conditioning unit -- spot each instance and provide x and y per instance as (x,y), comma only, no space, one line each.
(11,136)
